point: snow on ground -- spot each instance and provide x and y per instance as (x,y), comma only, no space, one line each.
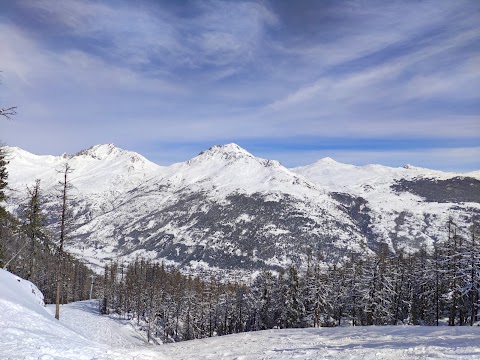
(84,318)
(28,330)
(388,342)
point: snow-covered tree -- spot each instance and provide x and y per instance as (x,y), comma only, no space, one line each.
(3,174)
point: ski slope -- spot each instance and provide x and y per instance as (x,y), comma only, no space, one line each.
(28,330)
(84,318)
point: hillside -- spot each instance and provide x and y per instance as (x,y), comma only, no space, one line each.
(229,210)
(29,331)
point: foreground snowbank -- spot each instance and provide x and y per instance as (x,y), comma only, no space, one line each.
(29,331)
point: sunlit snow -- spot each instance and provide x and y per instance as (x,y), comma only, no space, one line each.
(28,330)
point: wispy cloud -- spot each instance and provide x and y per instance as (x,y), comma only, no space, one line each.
(372,82)
(215,71)
(216,33)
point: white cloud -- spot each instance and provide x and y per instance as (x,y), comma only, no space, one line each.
(220,33)
(374,84)
(34,66)
(229,70)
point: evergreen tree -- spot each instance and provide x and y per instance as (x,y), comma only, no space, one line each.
(3,175)
(355,290)
(471,275)
(316,292)
(294,310)
(34,225)
(3,213)
(422,276)
(263,293)
(452,267)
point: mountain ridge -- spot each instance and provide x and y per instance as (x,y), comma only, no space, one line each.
(227,210)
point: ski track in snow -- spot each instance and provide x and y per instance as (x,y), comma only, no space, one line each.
(84,318)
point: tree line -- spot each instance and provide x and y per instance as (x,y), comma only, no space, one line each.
(421,288)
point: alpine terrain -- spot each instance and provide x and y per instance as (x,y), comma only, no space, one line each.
(227,210)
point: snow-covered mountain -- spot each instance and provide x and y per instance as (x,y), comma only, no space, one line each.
(98,170)
(227,209)
(408,206)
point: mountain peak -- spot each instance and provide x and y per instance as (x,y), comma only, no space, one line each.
(227,151)
(101,151)
(327,159)
(411,167)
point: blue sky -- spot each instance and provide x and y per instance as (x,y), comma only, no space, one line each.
(390,82)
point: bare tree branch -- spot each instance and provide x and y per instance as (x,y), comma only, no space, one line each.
(8,112)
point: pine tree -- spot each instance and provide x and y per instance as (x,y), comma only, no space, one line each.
(423,274)
(378,297)
(470,270)
(34,225)
(3,213)
(452,264)
(337,298)
(264,297)
(354,289)
(3,173)
(316,292)
(4,217)
(293,310)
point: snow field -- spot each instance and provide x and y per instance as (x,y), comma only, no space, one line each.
(389,342)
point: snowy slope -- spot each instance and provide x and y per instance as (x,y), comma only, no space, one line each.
(231,168)
(28,331)
(226,209)
(369,180)
(99,173)
(84,318)
(400,218)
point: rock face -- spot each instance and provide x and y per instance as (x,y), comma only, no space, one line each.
(227,210)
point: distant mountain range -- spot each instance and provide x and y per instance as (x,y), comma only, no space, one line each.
(227,210)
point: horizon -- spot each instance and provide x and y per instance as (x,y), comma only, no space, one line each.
(290,81)
(326,158)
